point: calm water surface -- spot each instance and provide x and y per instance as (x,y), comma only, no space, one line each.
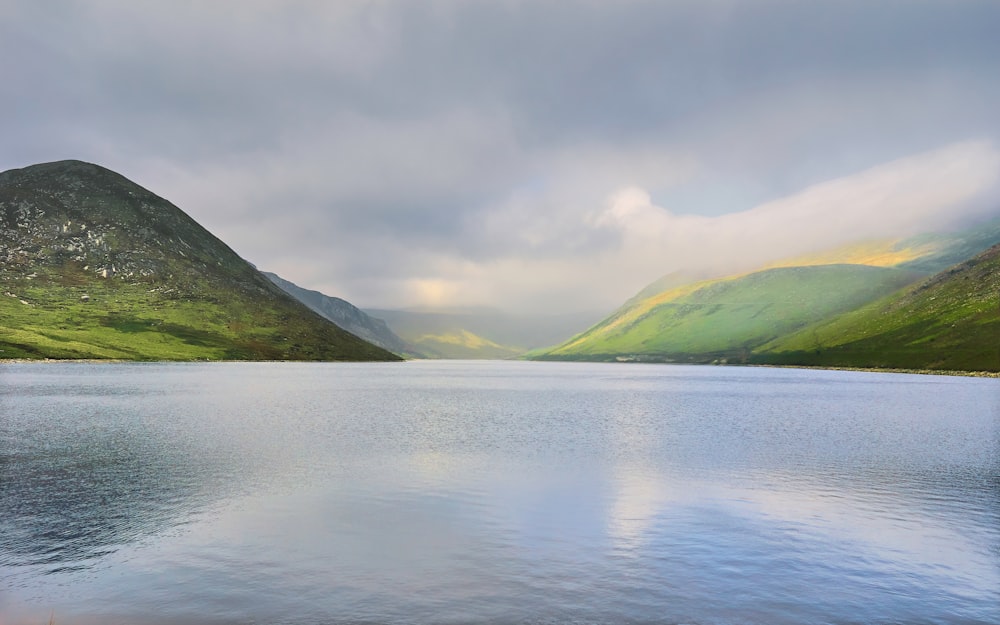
(495,492)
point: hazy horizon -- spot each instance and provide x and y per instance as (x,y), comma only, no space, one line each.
(524,156)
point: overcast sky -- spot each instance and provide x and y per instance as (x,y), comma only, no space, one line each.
(529,155)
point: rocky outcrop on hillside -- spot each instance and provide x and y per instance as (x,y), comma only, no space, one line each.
(78,217)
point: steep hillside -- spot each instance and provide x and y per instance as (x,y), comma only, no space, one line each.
(949,322)
(727,318)
(684,317)
(95,266)
(347,316)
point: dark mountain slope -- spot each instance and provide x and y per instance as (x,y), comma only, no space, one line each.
(346,315)
(95,266)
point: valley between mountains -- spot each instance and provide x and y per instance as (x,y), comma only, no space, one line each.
(93,266)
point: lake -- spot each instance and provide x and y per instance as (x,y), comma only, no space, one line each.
(495,492)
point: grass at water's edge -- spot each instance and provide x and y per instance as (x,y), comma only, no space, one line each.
(116,320)
(773,365)
(967,374)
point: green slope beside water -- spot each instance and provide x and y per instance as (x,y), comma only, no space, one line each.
(949,322)
(727,318)
(47,318)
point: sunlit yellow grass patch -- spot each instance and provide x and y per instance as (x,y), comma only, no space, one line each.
(875,253)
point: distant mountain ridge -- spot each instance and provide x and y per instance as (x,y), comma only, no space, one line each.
(480,333)
(347,316)
(93,265)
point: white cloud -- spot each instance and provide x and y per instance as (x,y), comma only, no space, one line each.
(924,192)
(919,193)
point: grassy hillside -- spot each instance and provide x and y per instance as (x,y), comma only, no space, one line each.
(726,318)
(949,322)
(51,316)
(689,318)
(94,266)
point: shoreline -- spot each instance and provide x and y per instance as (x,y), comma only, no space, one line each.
(949,372)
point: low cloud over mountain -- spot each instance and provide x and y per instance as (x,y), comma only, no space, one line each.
(516,154)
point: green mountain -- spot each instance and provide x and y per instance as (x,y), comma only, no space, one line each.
(95,266)
(479,333)
(347,316)
(729,319)
(948,322)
